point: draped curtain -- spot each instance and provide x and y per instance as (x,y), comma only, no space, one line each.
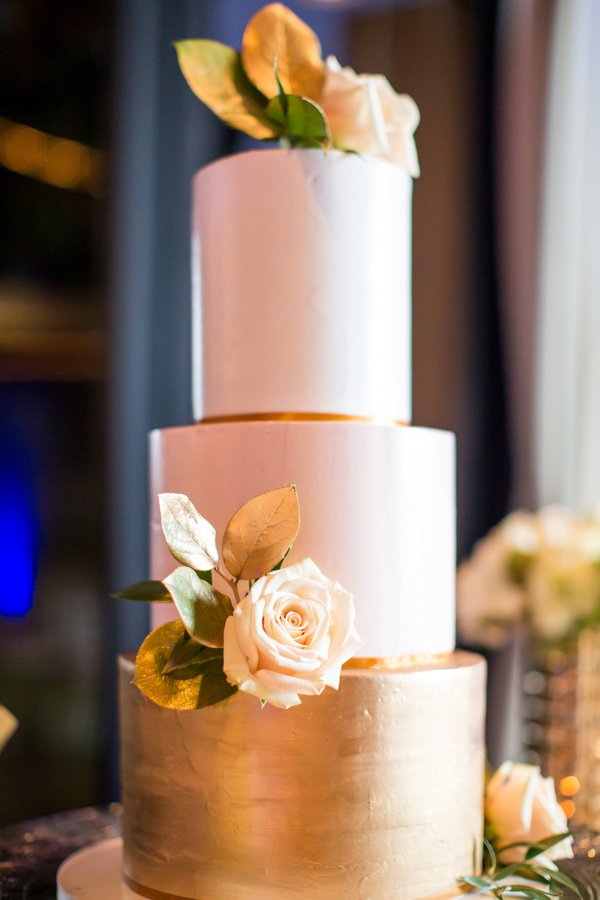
(568,372)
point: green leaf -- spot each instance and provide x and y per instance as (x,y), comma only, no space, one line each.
(215,74)
(203,609)
(281,561)
(492,855)
(187,654)
(205,576)
(518,868)
(214,686)
(301,122)
(562,878)
(476,881)
(518,890)
(150,591)
(545,844)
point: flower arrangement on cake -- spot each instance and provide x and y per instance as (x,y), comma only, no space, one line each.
(286,636)
(538,573)
(278,87)
(526,831)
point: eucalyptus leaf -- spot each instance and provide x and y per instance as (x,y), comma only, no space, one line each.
(276,33)
(191,539)
(215,74)
(147,591)
(203,609)
(301,122)
(260,533)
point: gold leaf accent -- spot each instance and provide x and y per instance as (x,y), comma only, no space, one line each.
(151,658)
(214,73)
(260,533)
(275,33)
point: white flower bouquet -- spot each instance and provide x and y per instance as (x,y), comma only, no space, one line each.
(534,572)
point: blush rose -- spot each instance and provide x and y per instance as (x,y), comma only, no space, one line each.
(290,635)
(521,806)
(366,115)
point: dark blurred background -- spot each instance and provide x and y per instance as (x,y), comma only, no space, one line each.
(99,138)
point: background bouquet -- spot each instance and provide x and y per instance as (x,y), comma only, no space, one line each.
(537,572)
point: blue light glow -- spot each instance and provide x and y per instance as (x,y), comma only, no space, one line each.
(18,543)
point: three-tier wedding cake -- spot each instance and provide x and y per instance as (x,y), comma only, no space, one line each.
(302,336)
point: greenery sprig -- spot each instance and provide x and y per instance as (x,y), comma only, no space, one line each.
(501,879)
(271,88)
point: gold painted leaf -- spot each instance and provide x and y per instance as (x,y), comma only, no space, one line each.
(151,658)
(260,533)
(191,539)
(276,34)
(203,609)
(202,689)
(214,73)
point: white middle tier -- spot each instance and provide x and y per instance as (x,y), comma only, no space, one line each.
(377,505)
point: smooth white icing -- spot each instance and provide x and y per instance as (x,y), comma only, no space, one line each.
(377,512)
(301,285)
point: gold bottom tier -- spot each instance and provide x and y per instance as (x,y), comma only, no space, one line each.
(372,792)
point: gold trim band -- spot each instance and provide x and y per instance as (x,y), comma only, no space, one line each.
(397,662)
(300,417)
(151,893)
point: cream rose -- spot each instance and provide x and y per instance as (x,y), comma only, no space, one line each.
(366,115)
(521,805)
(290,635)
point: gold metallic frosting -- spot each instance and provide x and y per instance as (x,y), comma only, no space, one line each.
(372,792)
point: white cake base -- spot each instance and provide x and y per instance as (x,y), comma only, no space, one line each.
(95,874)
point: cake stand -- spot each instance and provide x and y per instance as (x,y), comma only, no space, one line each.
(95,874)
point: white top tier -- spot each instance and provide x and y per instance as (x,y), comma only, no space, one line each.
(301,287)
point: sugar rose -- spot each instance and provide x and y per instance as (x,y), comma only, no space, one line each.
(366,115)
(521,805)
(290,635)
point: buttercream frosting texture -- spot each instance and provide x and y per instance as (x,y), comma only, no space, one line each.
(370,793)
